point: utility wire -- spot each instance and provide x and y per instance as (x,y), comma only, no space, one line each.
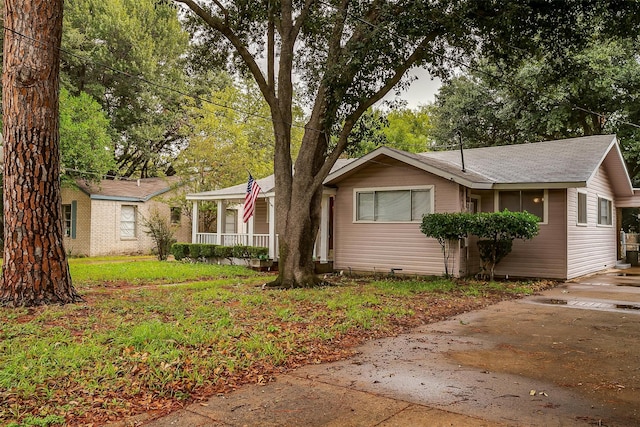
(495,77)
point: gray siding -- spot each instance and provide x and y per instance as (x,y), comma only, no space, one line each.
(592,247)
(382,246)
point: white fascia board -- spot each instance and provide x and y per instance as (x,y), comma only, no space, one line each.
(538,185)
(401,158)
(614,146)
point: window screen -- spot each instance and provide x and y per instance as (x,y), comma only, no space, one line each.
(582,208)
(393,205)
(128,221)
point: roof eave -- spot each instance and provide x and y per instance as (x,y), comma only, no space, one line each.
(231,196)
(538,185)
(397,155)
(117,198)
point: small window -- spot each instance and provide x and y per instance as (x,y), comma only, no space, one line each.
(128,222)
(67,220)
(231,221)
(397,205)
(605,216)
(176,215)
(582,208)
(531,201)
(69,213)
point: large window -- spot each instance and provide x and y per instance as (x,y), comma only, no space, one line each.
(127,222)
(531,201)
(582,208)
(392,205)
(605,215)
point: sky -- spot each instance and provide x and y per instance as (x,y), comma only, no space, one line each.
(421,92)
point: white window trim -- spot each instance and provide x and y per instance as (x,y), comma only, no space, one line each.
(67,230)
(586,193)
(431,189)
(545,204)
(135,223)
(598,211)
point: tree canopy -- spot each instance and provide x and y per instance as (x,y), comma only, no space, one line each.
(85,144)
(347,55)
(125,54)
(538,99)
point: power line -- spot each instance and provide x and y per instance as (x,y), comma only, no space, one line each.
(87,60)
(470,67)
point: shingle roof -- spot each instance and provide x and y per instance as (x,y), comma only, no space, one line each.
(128,190)
(560,161)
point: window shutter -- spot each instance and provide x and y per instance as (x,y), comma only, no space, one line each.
(74,215)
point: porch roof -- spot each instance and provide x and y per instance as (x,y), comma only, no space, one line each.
(267,185)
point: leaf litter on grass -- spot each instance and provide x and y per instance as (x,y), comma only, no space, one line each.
(128,350)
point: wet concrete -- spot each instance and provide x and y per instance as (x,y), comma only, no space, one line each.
(517,363)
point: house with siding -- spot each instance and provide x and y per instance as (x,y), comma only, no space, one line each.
(105,218)
(373,206)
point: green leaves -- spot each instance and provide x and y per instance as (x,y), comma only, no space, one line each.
(446,226)
(85,145)
(504,225)
(497,229)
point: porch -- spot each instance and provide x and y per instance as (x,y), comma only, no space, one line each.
(228,229)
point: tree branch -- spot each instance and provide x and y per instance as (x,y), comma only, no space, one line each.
(224,29)
(301,18)
(352,118)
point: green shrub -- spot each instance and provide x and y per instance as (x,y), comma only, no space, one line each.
(497,230)
(259,252)
(159,228)
(208,251)
(195,250)
(240,251)
(448,229)
(223,252)
(180,250)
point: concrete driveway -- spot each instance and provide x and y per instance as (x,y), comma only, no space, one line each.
(567,357)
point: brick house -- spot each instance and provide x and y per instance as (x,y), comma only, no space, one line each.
(105,218)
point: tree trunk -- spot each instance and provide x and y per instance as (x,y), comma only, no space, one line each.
(298,211)
(35,269)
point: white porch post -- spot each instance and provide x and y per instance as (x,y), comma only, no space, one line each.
(220,219)
(324,229)
(271,208)
(194,222)
(250,230)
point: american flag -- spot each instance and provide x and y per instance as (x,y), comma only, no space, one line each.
(253,189)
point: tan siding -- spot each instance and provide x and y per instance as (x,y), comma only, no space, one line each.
(544,255)
(260,224)
(80,246)
(590,248)
(380,247)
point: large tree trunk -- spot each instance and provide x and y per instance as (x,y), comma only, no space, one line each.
(35,269)
(298,208)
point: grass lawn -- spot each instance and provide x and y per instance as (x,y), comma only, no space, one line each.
(152,336)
